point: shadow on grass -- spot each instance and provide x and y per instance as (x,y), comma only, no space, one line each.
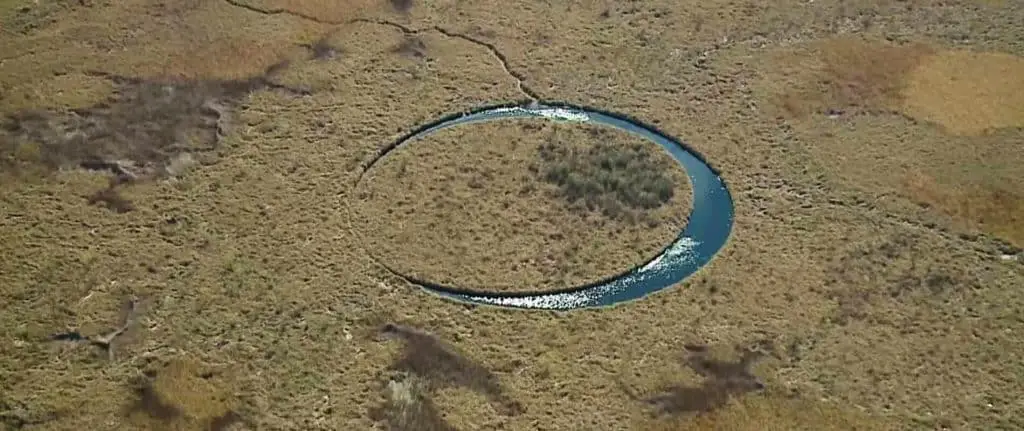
(403,6)
(411,46)
(181,396)
(433,364)
(723,380)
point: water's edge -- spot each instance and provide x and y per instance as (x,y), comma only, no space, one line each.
(707,231)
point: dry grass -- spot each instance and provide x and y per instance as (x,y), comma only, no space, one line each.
(990,207)
(732,398)
(776,412)
(182,395)
(328,10)
(184,40)
(967,93)
(854,73)
(408,406)
(439,365)
(477,207)
(865,74)
(964,95)
(146,130)
(61,91)
(250,263)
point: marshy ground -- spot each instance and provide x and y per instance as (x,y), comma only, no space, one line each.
(196,160)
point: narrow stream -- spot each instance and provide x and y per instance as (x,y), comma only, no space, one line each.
(710,221)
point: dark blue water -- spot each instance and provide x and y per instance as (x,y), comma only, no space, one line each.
(710,221)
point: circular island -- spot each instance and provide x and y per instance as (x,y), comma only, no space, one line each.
(536,213)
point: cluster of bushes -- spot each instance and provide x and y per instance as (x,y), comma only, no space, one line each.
(620,181)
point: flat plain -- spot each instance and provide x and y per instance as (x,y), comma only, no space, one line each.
(183,244)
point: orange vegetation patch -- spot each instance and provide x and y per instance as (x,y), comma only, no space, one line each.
(992,208)
(851,72)
(967,92)
(864,73)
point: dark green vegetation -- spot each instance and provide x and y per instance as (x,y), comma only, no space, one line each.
(620,181)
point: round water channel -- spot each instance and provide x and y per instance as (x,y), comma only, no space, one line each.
(708,229)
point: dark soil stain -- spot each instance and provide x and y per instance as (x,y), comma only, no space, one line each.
(147,129)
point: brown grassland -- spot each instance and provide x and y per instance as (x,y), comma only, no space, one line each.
(183,245)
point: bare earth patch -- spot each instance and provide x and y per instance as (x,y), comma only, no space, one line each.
(522,206)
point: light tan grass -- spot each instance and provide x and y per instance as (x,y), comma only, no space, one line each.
(774,413)
(184,395)
(967,92)
(325,10)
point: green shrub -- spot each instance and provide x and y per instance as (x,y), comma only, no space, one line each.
(620,181)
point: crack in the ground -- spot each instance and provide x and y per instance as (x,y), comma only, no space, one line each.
(409,31)
(494,51)
(281,11)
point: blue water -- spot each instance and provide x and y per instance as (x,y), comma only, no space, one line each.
(710,221)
